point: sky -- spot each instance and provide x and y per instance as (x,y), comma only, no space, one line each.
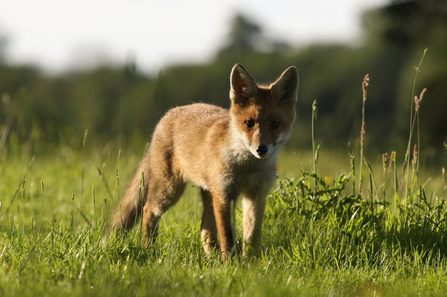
(65,35)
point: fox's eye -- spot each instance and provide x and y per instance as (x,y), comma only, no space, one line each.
(250,123)
(275,124)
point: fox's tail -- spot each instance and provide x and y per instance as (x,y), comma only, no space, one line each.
(130,208)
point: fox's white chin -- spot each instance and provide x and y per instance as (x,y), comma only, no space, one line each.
(261,157)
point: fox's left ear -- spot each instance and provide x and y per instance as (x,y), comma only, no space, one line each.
(285,88)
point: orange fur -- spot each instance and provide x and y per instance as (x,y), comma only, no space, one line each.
(224,152)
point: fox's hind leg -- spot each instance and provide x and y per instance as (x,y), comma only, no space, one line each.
(162,194)
(208,227)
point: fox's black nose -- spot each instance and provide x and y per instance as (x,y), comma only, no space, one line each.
(262,150)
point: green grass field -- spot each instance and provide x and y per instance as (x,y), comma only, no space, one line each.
(335,224)
(328,242)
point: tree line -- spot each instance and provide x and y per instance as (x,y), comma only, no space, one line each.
(113,101)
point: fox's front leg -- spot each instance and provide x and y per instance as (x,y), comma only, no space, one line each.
(209,228)
(253,207)
(222,213)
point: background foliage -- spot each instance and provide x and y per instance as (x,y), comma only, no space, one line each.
(121,100)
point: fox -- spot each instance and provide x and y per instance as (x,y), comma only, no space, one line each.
(226,153)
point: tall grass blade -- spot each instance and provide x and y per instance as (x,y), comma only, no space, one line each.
(405,182)
(365,84)
(314,150)
(19,186)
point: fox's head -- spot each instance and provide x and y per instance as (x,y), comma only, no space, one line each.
(262,116)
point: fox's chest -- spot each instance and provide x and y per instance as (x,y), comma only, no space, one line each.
(251,176)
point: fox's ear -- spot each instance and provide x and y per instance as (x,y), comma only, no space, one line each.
(243,87)
(285,88)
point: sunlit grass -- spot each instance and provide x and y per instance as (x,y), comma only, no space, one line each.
(301,255)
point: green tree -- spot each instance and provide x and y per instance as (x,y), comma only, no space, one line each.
(247,36)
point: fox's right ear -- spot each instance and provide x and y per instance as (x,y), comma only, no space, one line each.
(243,86)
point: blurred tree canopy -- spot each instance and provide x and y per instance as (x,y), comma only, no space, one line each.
(247,37)
(122,101)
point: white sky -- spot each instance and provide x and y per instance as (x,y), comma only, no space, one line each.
(58,35)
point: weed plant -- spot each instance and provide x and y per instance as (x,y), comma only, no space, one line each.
(353,235)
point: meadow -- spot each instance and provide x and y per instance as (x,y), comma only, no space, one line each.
(335,224)
(328,242)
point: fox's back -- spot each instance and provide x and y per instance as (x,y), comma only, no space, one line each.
(189,140)
(199,117)
(189,126)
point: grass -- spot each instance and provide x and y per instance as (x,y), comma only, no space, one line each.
(332,243)
(380,233)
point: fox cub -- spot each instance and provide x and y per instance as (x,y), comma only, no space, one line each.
(224,152)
